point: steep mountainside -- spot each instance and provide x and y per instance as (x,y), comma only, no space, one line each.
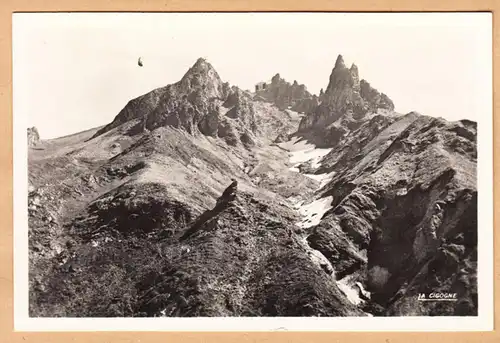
(348,210)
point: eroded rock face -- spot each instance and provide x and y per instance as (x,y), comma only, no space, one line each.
(288,96)
(374,98)
(404,195)
(33,136)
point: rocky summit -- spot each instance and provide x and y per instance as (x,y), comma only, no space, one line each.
(346,99)
(201,199)
(287,96)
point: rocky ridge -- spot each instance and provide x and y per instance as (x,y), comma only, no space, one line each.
(288,96)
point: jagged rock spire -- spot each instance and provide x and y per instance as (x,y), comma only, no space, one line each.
(355,77)
(340,62)
(340,78)
(345,93)
(276,78)
(33,136)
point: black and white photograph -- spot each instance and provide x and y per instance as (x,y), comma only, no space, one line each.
(275,169)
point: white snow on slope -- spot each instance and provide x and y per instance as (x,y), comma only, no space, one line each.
(301,151)
(313,155)
(363,290)
(352,289)
(323,179)
(313,212)
(295,144)
(346,285)
(350,292)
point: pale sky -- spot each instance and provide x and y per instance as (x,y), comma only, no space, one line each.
(73,72)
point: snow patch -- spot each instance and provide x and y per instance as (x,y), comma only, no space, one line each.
(402,191)
(313,212)
(362,290)
(350,292)
(312,155)
(300,151)
(354,291)
(296,144)
(323,179)
(295,200)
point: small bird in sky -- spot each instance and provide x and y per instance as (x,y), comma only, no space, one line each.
(139,62)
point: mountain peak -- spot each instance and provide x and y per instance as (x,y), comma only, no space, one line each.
(202,63)
(340,62)
(201,66)
(340,77)
(202,76)
(346,93)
